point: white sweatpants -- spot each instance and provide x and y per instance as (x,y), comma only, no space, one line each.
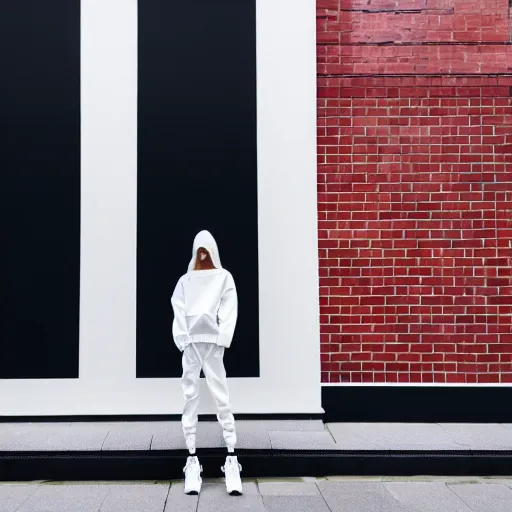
(209,357)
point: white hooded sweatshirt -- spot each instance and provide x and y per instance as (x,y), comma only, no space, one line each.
(204,301)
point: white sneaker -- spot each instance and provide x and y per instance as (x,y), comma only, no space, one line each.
(193,476)
(232,476)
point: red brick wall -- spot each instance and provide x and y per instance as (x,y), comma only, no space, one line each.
(415,190)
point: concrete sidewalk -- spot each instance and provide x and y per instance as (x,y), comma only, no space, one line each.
(253,435)
(272,448)
(298,495)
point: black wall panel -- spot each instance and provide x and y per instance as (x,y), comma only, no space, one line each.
(196,166)
(39,188)
(416,404)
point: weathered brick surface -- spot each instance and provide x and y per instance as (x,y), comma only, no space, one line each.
(415,192)
(334,59)
(416,24)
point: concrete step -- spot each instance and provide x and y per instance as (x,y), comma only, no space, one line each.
(267,448)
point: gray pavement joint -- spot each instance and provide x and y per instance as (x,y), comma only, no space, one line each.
(452,437)
(459,497)
(323,497)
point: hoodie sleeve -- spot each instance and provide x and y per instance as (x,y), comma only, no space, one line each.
(179,324)
(228,312)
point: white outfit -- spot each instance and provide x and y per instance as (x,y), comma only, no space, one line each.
(207,356)
(205,313)
(193,478)
(232,477)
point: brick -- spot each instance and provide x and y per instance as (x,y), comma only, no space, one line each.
(414,216)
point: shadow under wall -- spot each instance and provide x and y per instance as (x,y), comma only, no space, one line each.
(197,166)
(39,189)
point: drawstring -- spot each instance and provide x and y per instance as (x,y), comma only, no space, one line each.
(201,360)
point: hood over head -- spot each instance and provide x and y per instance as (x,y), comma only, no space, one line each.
(205,239)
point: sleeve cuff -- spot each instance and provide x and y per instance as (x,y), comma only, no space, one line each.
(181,342)
(224,341)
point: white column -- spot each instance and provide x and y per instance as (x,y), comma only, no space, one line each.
(109,189)
(287,203)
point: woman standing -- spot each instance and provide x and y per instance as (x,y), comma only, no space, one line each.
(205,313)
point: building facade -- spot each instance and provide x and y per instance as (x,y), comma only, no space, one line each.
(415,200)
(376,273)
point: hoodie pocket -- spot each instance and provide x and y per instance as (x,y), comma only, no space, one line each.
(203,324)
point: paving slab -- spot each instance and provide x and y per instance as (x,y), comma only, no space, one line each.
(209,435)
(129,437)
(65,498)
(360,497)
(398,436)
(485,497)
(178,501)
(253,437)
(286,425)
(300,440)
(488,436)
(288,489)
(53,437)
(214,497)
(426,496)
(136,498)
(170,438)
(295,504)
(134,435)
(348,438)
(12,496)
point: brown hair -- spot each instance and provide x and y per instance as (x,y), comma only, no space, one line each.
(197,263)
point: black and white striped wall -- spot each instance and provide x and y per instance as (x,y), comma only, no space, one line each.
(126,128)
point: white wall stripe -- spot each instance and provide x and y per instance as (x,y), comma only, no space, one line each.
(109,189)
